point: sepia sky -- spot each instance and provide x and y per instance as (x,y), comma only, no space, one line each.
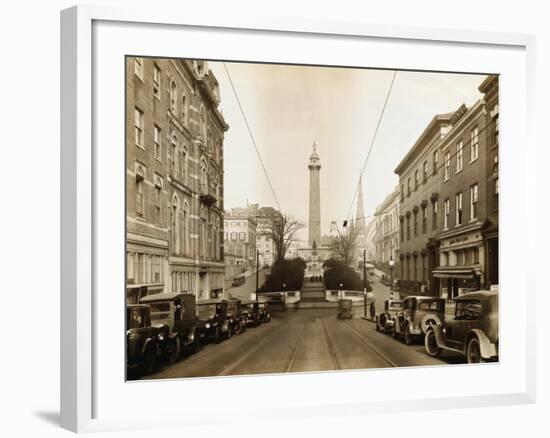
(290,107)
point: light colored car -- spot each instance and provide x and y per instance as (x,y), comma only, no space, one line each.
(472,332)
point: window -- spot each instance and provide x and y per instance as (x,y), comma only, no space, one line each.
(425,172)
(415,225)
(474,144)
(446,212)
(424,219)
(140,176)
(408,187)
(138,67)
(173,97)
(402,230)
(184,108)
(459,156)
(458,209)
(416,180)
(402,192)
(157,137)
(495,188)
(408,228)
(435,161)
(183,165)
(434,215)
(233,235)
(447,166)
(242,235)
(473,202)
(138,125)
(158,211)
(156,81)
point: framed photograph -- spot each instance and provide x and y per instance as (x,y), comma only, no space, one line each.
(252,209)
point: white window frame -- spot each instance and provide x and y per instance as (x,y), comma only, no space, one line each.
(157,81)
(459,156)
(157,139)
(474,144)
(459,218)
(138,67)
(446,213)
(474,201)
(139,130)
(447,170)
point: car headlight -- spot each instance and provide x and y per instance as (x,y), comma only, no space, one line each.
(215,324)
(207,325)
(160,337)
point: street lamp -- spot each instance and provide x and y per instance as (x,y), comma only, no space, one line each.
(341,287)
(391,263)
(284,294)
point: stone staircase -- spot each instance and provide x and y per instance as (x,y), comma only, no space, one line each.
(312,292)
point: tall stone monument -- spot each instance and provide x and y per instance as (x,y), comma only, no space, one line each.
(314,198)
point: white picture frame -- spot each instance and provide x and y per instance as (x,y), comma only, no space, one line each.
(82,376)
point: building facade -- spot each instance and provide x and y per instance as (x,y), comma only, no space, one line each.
(386,238)
(240,239)
(449,202)
(174,176)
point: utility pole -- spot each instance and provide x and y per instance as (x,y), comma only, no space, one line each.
(365,281)
(257,272)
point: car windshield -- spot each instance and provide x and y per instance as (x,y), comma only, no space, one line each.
(468,310)
(395,306)
(206,311)
(160,312)
(136,318)
(429,305)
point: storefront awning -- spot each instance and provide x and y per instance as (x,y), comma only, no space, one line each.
(454,273)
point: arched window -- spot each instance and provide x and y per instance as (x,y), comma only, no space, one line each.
(204,175)
(202,233)
(173,97)
(175,224)
(203,124)
(183,164)
(211,237)
(185,233)
(184,108)
(140,181)
(217,252)
(173,154)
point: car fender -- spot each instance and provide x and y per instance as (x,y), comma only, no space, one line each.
(149,342)
(429,317)
(440,337)
(487,348)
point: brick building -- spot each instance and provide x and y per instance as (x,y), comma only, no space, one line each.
(449,201)
(174,177)
(240,240)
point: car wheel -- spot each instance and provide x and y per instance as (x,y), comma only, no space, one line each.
(473,351)
(175,350)
(407,335)
(430,343)
(149,360)
(196,343)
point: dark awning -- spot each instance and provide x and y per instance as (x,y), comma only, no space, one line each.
(468,273)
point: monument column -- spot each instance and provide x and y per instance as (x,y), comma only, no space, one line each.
(314,198)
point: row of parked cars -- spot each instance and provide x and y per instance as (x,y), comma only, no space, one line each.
(470,330)
(164,325)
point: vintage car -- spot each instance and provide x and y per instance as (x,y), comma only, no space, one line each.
(236,325)
(238,280)
(345,310)
(176,310)
(264,311)
(144,342)
(472,332)
(250,313)
(385,319)
(419,313)
(212,319)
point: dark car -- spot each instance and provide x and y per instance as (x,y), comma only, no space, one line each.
(472,332)
(384,320)
(212,319)
(264,313)
(250,313)
(177,312)
(143,341)
(419,313)
(236,325)
(238,280)
(345,310)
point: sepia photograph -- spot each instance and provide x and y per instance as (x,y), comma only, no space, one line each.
(289,218)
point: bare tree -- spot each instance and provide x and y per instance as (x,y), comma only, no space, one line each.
(344,243)
(282,231)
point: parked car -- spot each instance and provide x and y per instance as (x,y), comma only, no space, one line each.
(264,313)
(238,280)
(212,319)
(177,311)
(419,313)
(236,325)
(250,313)
(472,332)
(143,341)
(384,320)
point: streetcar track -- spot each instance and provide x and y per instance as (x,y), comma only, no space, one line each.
(330,346)
(225,371)
(295,351)
(372,346)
